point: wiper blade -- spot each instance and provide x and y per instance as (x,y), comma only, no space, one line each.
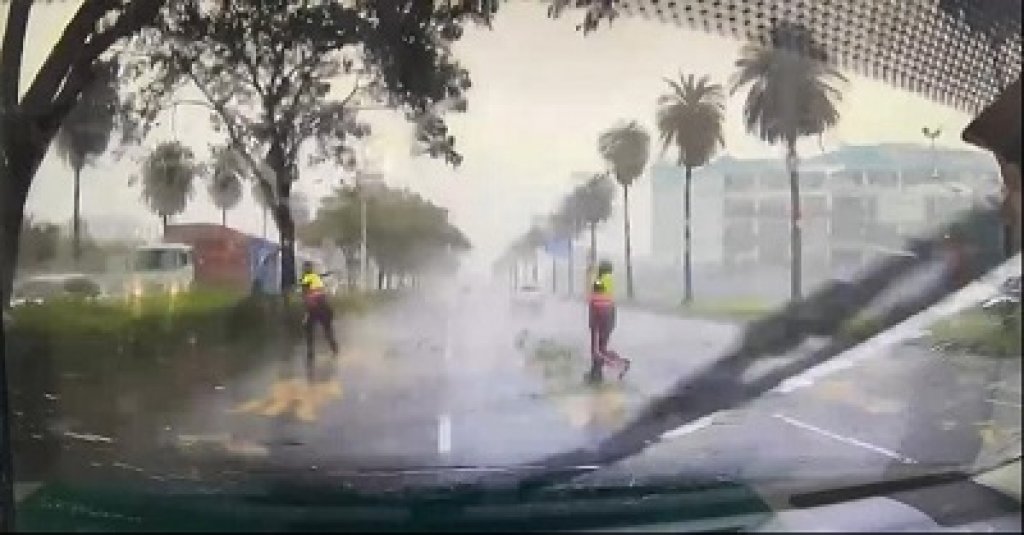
(721,386)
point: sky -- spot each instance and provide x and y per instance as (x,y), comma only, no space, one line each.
(542,92)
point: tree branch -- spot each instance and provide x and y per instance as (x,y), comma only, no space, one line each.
(13,49)
(63,71)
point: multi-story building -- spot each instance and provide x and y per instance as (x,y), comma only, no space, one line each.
(666,213)
(857,202)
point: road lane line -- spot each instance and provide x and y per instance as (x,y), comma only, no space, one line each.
(689,428)
(846,440)
(444,434)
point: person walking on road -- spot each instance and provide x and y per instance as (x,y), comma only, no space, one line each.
(601,305)
(318,309)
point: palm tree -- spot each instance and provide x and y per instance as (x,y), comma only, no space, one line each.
(691,117)
(793,93)
(167,179)
(85,134)
(626,148)
(225,187)
(569,223)
(594,201)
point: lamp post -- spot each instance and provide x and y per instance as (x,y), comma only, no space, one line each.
(365,182)
(932,134)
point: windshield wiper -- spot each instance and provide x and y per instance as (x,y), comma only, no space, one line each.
(721,386)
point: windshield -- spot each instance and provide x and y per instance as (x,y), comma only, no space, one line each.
(156,260)
(590,244)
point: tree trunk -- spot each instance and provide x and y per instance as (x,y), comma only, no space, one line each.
(163,223)
(554,275)
(76,218)
(380,280)
(572,269)
(223,217)
(20,156)
(592,255)
(629,245)
(687,240)
(795,224)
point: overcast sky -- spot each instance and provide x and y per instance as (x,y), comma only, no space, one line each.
(542,92)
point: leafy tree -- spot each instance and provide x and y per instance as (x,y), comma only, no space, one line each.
(405,233)
(626,147)
(85,133)
(284,79)
(34,109)
(225,186)
(793,93)
(593,201)
(690,117)
(167,179)
(39,243)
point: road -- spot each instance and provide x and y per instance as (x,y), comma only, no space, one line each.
(460,382)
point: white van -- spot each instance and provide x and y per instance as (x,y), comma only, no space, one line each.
(165,267)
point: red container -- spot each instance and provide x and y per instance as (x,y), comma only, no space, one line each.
(221,254)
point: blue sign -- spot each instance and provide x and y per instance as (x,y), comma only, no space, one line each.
(265,266)
(558,247)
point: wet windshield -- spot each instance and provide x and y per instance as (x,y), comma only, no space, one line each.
(390,246)
(156,260)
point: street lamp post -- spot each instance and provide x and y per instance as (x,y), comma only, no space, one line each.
(365,181)
(932,134)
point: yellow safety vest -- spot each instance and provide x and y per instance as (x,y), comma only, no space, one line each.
(601,292)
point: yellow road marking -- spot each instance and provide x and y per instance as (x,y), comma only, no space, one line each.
(303,399)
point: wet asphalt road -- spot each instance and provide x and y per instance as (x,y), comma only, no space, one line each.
(461,381)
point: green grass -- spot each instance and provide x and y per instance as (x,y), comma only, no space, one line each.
(980,333)
(140,325)
(860,327)
(742,310)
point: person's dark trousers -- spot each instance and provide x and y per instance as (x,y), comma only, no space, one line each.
(320,314)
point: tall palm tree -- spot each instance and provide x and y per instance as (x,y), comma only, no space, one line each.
(793,93)
(167,179)
(85,134)
(626,147)
(225,186)
(690,116)
(594,199)
(570,222)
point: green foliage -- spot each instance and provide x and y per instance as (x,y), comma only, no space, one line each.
(793,90)
(691,118)
(38,243)
(225,186)
(167,178)
(626,147)
(145,323)
(729,309)
(979,333)
(86,130)
(404,231)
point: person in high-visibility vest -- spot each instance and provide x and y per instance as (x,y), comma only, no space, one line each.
(601,305)
(318,309)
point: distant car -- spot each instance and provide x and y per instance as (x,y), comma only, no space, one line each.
(41,288)
(528,297)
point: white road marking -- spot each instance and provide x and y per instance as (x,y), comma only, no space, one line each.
(444,434)
(846,440)
(1001,402)
(689,428)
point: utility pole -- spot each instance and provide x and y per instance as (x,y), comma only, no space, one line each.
(932,134)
